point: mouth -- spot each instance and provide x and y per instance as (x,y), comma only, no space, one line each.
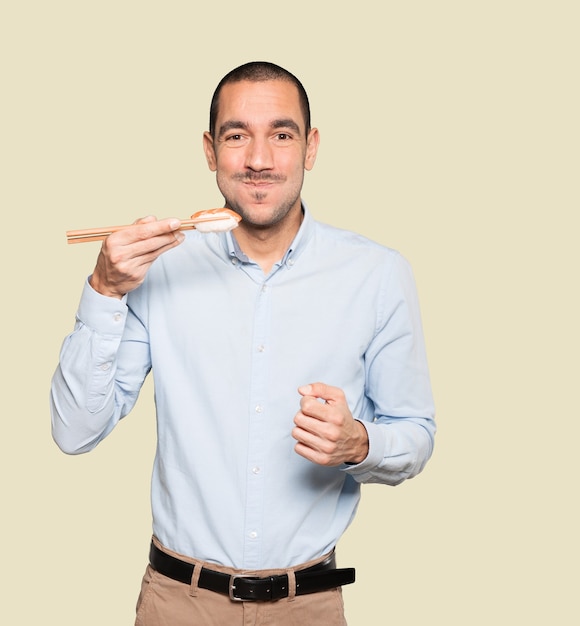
(252,183)
(258,179)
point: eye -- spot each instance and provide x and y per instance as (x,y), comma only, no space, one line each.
(283,136)
(236,139)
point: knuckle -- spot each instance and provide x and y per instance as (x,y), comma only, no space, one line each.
(115,257)
(145,231)
(327,447)
(324,459)
(333,436)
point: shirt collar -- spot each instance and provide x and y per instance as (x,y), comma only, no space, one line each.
(294,251)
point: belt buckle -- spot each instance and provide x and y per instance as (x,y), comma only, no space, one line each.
(232,588)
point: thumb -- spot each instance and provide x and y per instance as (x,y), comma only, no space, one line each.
(319,390)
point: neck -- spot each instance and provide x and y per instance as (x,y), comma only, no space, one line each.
(267,245)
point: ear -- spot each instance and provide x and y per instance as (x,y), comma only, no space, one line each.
(312,143)
(209,150)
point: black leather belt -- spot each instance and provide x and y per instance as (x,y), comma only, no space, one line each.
(247,588)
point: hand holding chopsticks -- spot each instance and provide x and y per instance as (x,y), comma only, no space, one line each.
(125,258)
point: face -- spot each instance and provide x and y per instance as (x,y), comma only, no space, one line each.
(260,150)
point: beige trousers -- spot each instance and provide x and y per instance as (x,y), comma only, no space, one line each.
(167,602)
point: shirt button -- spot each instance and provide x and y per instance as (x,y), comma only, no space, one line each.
(259,408)
(261,348)
(118,317)
(234,261)
(264,288)
(253,534)
(290,262)
(256,470)
(104,366)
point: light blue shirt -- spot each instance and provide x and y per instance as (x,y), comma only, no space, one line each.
(229,346)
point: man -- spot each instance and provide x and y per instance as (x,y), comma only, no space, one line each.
(289,368)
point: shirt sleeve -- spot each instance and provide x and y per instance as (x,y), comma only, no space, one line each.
(401,435)
(91,390)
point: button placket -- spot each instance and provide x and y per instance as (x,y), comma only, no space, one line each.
(258,414)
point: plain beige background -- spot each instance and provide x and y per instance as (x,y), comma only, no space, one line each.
(450,131)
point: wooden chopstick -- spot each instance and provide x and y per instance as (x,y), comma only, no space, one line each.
(98,234)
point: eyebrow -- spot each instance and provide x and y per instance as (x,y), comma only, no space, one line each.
(231,125)
(286,123)
(276,124)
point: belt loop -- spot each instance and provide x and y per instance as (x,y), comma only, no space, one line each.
(291,585)
(194,585)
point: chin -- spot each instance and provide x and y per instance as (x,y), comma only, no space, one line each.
(257,212)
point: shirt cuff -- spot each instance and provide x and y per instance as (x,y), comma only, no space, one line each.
(362,471)
(101,313)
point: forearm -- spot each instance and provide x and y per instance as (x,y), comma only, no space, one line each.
(402,433)
(82,396)
(88,395)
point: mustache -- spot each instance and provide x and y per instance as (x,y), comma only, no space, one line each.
(258,177)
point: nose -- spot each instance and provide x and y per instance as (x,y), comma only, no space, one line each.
(259,155)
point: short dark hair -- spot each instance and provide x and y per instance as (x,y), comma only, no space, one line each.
(258,71)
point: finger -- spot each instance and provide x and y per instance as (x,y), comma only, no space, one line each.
(143,255)
(308,453)
(145,229)
(318,430)
(144,242)
(144,220)
(313,437)
(316,454)
(313,407)
(308,423)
